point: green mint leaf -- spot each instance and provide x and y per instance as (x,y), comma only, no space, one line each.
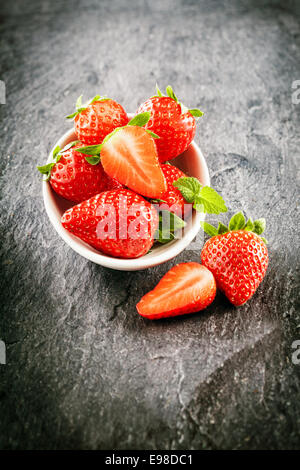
(163,237)
(249,225)
(259,226)
(237,222)
(264,240)
(222,228)
(155,136)
(140,119)
(209,229)
(195,112)
(90,149)
(159,93)
(211,201)
(171,93)
(170,221)
(94,160)
(189,187)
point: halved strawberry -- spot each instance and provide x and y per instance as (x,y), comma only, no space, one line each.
(129,155)
(186,288)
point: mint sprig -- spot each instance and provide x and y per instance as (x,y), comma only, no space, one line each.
(56,156)
(237,222)
(169,223)
(204,198)
(82,106)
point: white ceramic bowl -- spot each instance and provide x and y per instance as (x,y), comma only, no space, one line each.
(191,162)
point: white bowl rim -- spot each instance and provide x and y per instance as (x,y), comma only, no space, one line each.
(131,264)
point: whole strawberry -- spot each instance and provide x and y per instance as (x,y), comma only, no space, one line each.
(237,256)
(96,119)
(172,122)
(120,223)
(73,178)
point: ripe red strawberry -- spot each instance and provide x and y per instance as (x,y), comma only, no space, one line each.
(120,223)
(129,155)
(73,178)
(172,122)
(237,256)
(186,288)
(97,119)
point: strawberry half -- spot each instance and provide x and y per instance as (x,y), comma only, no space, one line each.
(96,119)
(120,223)
(186,288)
(129,155)
(237,256)
(173,122)
(73,178)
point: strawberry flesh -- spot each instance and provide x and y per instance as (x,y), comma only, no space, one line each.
(130,156)
(186,288)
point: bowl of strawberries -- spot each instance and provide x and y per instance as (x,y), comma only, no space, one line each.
(129,191)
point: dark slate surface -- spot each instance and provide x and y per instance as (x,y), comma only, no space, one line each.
(83,369)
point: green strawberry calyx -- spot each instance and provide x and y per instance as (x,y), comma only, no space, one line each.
(82,106)
(204,198)
(94,151)
(237,222)
(56,156)
(170,93)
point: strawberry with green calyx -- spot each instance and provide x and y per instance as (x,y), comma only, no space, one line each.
(73,178)
(97,118)
(129,155)
(172,121)
(237,256)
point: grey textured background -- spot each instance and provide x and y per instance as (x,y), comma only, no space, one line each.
(83,369)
